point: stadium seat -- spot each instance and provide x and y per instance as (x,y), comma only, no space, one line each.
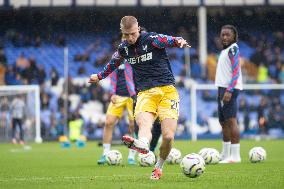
(214,125)
(93,111)
(75,100)
(57,90)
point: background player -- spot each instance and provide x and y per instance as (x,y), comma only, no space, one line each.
(18,114)
(155,82)
(122,88)
(229,82)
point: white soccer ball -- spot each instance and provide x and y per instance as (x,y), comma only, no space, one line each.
(174,156)
(192,165)
(210,155)
(257,154)
(203,152)
(199,157)
(146,160)
(114,157)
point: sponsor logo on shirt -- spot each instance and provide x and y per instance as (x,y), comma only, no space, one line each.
(139,59)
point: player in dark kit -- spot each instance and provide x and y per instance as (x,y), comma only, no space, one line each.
(154,81)
(156,130)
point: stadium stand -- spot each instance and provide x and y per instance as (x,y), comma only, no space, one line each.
(37,58)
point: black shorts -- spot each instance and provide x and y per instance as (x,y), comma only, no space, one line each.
(227,110)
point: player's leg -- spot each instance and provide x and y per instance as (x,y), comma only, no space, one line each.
(111,121)
(235,140)
(231,117)
(145,121)
(131,153)
(21,131)
(14,124)
(229,112)
(156,133)
(145,112)
(114,113)
(226,144)
(168,127)
(168,112)
(129,108)
(136,128)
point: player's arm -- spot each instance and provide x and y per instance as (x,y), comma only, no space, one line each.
(234,55)
(162,41)
(113,64)
(113,84)
(129,79)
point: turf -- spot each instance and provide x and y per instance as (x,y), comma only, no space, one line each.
(47,165)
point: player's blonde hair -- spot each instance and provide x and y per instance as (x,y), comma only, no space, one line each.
(127,22)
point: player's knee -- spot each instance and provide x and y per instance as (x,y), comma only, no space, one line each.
(168,137)
(110,123)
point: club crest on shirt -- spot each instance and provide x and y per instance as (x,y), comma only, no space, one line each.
(233,51)
(126,50)
(144,47)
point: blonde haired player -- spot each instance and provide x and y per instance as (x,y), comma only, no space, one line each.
(154,81)
(229,82)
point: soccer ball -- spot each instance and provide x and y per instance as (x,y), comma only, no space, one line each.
(203,152)
(114,157)
(146,160)
(257,154)
(174,156)
(192,165)
(210,155)
(198,157)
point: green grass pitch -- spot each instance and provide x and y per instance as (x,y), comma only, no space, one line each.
(47,165)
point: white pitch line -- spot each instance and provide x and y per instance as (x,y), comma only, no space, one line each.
(74,177)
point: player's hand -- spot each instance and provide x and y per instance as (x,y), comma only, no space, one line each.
(182,43)
(227,97)
(94,78)
(113,99)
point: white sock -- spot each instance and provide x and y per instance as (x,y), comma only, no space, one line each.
(106,148)
(226,150)
(131,154)
(145,140)
(235,152)
(160,163)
